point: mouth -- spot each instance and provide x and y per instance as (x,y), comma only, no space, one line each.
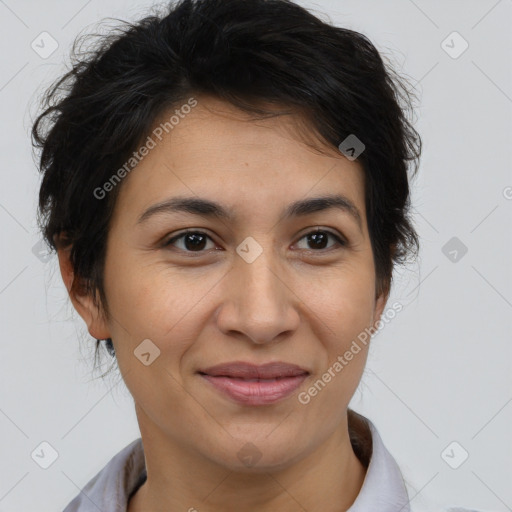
(250,384)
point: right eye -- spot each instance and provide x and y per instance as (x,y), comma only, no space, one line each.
(191,241)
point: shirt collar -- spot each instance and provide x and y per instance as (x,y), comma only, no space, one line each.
(383,487)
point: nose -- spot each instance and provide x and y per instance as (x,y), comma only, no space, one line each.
(257,302)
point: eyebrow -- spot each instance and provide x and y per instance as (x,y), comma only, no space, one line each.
(211,209)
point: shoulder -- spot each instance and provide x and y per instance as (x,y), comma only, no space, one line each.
(434,508)
(111,487)
(384,488)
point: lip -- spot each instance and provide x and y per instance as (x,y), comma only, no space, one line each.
(251,384)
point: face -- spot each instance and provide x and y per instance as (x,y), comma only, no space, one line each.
(261,284)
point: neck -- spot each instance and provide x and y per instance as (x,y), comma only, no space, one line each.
(328,479)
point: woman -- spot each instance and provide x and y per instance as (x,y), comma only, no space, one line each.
(227,190)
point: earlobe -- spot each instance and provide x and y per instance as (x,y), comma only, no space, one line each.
(81,299)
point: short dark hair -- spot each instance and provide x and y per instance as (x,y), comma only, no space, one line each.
(246,52)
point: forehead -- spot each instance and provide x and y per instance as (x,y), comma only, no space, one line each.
(218,151)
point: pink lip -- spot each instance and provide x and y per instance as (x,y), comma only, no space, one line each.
(250,384)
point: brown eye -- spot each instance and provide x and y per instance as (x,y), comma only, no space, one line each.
(197,241)
(191,241)
(318,240)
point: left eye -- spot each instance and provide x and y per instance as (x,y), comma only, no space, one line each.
(319,238)
(195,241)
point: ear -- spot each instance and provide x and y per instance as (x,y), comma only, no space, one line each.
(383,291)
(82,301)
(380,304)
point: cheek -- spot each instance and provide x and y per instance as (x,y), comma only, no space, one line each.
(343,303)
(342,321)
(155,304)
(342,310)
(354,312)
(145,307)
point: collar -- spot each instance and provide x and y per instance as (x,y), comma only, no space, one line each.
(383,487)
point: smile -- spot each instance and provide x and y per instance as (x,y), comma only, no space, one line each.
(249,384)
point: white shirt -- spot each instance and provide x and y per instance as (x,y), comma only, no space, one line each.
(110,490)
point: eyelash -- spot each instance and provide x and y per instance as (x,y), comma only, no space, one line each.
(340,241)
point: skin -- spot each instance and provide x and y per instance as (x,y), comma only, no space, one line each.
(295,303)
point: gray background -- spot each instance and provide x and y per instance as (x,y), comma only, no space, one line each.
(439,372)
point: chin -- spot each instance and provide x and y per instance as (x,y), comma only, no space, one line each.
(247,454)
